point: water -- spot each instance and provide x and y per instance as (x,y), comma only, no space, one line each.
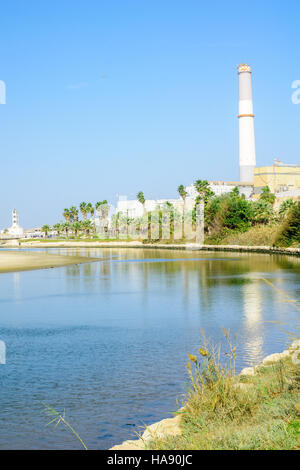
(107,341)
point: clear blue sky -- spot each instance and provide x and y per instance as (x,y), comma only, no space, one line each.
(112,97)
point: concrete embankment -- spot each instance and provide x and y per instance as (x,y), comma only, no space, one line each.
(165,246)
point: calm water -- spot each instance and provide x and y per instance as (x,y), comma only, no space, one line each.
(108,340)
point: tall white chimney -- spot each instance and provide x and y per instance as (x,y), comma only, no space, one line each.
(247,158)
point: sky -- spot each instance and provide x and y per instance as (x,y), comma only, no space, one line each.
(112,97)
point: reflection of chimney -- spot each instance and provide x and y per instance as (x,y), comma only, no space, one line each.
(247,158)
(253,314)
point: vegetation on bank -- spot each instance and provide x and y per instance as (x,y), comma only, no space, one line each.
(228,219)
(233,220)
(223,411)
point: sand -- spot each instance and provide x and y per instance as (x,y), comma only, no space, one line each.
(25,260)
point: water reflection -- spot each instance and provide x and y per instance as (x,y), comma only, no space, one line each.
(253,308)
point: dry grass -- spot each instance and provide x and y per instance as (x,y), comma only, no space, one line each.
(225,411)
(262,235)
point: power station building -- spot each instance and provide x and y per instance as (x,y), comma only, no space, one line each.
(282,179)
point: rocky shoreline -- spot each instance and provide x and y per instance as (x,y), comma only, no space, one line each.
(171,426)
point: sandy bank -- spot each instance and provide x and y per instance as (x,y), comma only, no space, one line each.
(22,261)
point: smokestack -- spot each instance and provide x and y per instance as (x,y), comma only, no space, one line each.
(247,159)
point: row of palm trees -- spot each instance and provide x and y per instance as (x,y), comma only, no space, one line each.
(86,225)
(77,227)
(202,187)
(72,222)
(72,214)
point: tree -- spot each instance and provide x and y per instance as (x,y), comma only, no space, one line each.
(89,208)
(46,228)
(76,227)
(58,227)
(183,194)
(290,232)
(266,195)
(73,214)
(141,198)
(102,207)
(235,212)
(203,190)
(83,209)
(87,226)
(285,207)
(262,212)
(66,228)
(67,215)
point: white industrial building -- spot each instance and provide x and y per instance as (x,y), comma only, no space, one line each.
(133,208)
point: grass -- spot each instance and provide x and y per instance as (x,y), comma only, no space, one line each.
(223,411)
(260,235)
(57,418)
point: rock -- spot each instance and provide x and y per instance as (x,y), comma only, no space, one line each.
(169,426)
(130,445)
(295,344)
(275,357)
(248,371)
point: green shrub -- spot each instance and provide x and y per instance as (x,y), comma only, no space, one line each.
(290,232)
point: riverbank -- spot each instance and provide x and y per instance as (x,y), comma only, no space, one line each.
(259,410)
(11,261)
(165,246)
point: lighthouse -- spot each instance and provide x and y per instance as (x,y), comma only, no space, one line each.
(15,230)
(247,157)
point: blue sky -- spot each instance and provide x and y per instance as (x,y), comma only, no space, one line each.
(112,97)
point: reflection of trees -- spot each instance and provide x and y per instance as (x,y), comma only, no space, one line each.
(200,271)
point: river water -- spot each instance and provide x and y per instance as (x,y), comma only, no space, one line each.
(107,341)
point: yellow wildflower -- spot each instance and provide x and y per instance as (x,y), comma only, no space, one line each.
(203,352)
(192,358)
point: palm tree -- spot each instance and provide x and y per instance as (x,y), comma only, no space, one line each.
(67,215)
(266,195)
(102,208)
(89,208)
(141,198)
(87,226)
(204,191)
(66,228)
(73,214)
(285,207)
(183,194)
(58,227)
(83,209)
(76,227)
(46,228)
